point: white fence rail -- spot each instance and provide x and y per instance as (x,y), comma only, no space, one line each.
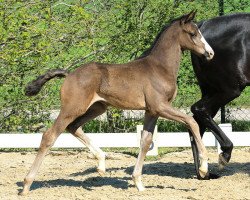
(177,139)
(180,139)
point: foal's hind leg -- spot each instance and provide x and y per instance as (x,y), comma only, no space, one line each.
(48,139)
(74,128)
(98,153)
(146,140)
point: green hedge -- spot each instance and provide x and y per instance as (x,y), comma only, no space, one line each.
(40,35)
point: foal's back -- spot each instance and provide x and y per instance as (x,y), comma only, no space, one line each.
(120,85)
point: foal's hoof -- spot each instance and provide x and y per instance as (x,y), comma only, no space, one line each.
(222,162)
(206,177)
(23,193)
(138,183)
(203,173)
(101,169)
(141,188)
(203,169)
(101,172)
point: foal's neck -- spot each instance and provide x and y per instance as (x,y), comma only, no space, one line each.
(167,51)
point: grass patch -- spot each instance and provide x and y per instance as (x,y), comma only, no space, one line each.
(163,151)
(17,150)
(134,151)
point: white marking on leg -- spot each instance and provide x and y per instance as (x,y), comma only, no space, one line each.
(94,149)
(146,141)
(100,155)
(203,169)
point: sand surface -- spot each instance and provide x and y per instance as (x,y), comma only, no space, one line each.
(72,175)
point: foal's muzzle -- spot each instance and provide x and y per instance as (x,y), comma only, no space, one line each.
(209,54)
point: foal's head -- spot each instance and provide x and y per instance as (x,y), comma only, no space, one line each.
(191,38)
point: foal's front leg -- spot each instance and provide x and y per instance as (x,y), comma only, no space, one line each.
(168,112)
(146,140)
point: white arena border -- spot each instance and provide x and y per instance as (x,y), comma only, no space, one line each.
(170,139)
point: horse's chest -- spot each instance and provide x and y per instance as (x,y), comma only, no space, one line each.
(167,91)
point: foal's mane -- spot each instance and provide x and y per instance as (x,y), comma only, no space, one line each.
(156,40)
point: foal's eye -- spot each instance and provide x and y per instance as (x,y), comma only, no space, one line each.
(192,34)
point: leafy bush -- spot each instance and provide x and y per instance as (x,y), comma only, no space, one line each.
(240,125)
(40,35)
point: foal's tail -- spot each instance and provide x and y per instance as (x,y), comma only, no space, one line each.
(34,87)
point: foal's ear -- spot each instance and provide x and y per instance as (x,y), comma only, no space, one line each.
(189,17)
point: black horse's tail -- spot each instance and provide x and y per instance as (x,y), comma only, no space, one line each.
(34,87)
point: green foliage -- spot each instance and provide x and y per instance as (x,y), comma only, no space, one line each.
(128,125)
(170,126)
(240,125)
(39,35)
(243,100)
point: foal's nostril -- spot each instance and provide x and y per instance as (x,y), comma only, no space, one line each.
(206,54)
(211,53)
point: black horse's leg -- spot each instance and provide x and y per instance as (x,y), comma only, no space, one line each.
(204,111)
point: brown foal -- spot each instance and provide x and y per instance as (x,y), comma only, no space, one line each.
(147,83)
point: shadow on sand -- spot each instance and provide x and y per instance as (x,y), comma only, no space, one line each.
(177,170)
(187,170)
(87,184)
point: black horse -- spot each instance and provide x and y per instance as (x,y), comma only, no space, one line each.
(224,77)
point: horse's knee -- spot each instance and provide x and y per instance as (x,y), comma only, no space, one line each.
(227,147)
(146,139)
(201,113)
(71,128)
(48,139)
(191,123)
(198,110)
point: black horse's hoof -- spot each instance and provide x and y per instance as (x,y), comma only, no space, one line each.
(213,176)
(223,160)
